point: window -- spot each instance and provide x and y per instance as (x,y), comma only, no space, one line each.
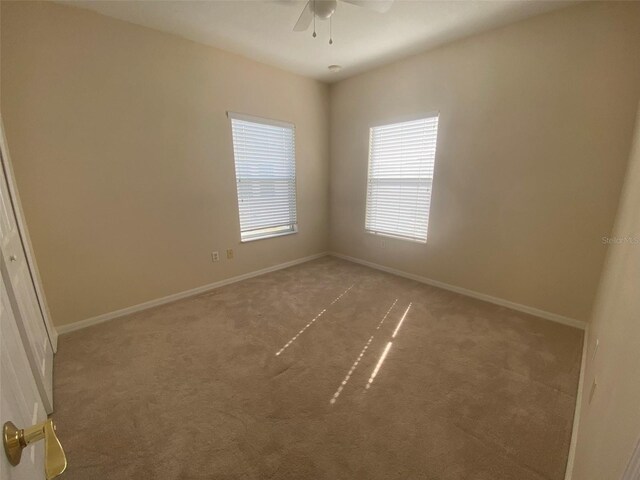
(401,164)
(264,152)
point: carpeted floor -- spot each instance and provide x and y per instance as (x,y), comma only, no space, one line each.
(284,376)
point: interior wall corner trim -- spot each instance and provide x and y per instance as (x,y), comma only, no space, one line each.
(71,327)
(554,317)
(576,413)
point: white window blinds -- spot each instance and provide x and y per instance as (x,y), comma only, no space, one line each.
(264,152)
(401,164)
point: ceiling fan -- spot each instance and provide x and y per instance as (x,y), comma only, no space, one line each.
(324,9)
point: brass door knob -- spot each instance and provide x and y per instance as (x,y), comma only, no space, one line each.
(55,461)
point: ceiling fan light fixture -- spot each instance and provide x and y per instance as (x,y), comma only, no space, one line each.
(324,8)
(334,68)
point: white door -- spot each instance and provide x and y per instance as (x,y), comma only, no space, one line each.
(20,401)
(22,297)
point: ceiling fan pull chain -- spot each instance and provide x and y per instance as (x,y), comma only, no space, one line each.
(331,30)
(314,18)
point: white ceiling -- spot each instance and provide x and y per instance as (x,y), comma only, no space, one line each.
(262,30)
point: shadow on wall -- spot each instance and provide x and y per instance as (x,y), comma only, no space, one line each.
(609,424)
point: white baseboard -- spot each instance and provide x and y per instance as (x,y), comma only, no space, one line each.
(178,296)
(198,290)
(576,414)
(470,293)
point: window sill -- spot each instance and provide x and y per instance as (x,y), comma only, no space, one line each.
(270,235)
(397,237)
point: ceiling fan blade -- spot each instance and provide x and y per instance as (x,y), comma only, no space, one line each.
(305,18)
(380,6)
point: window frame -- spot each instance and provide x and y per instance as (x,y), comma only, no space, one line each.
(395,121)
(283,230)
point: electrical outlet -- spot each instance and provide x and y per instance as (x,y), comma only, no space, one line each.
(215,256)
(229,253)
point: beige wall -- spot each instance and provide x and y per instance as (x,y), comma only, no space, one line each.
(536,122)
(124,162)
(609,426)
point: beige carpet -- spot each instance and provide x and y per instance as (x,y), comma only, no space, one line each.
(195,390)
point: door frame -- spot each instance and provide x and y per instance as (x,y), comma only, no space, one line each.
(25,237)
(633,468)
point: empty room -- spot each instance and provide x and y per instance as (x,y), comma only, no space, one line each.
(320,240)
